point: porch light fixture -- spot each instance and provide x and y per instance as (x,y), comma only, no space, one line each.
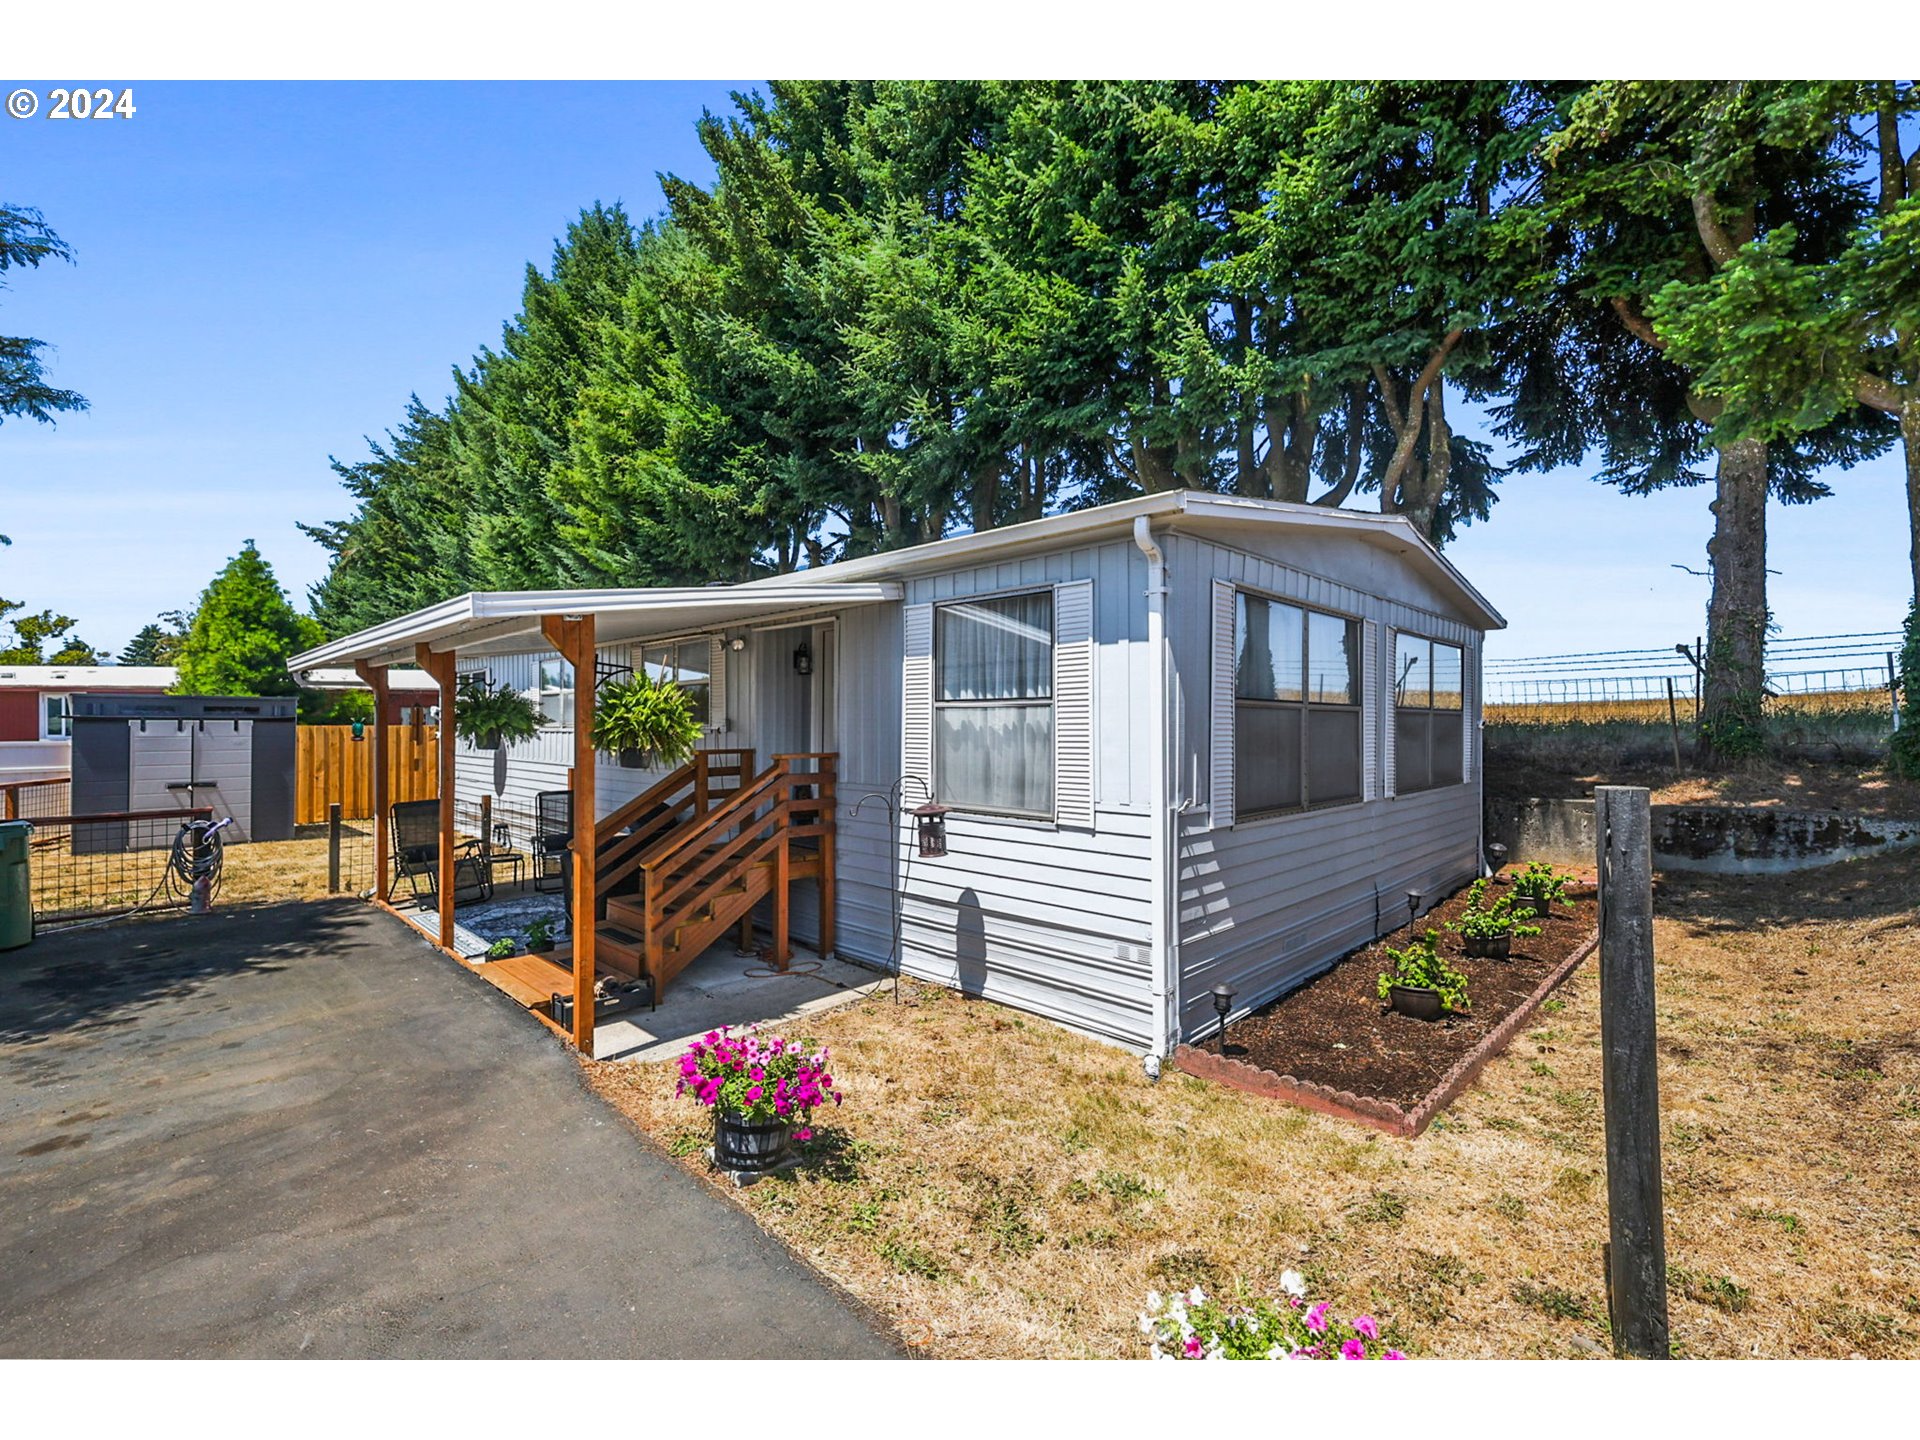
(1497,856)
(803,659)
(1222,1003)
(737,644)
(1414,897)
(930,823)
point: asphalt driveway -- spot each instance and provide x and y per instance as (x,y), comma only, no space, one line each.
(298,1130)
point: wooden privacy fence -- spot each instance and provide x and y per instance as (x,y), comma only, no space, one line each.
(331,767)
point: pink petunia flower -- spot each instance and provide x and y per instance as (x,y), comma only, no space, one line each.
(1367,1326)
(1317,1317)
(1354,1350)
(1393,1355)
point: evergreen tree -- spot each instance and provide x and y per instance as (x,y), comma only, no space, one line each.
(155,644)
(25,241)
(242,633)
(42,638)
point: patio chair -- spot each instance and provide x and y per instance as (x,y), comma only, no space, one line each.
(415,830)
(552,837)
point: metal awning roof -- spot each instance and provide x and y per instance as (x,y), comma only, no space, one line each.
(504,621)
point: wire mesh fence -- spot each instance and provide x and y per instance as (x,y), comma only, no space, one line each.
(89,866)
(35,799)
(1838,683)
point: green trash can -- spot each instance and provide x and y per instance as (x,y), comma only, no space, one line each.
(16,890)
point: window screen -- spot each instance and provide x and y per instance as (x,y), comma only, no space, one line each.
(1427,717)
(993,704)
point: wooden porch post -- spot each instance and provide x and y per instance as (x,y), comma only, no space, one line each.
(439,664)
(376,678)
(572,636)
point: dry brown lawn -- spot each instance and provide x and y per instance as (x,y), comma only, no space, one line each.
(253,874)
(999,1187)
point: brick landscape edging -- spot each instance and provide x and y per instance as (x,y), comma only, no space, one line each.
(1366,1109)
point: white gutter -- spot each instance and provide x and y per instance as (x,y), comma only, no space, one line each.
(1162,939)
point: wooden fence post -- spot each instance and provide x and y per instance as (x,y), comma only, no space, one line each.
(333,848)
(1636,1258)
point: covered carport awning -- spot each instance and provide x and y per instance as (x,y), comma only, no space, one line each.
(504,621)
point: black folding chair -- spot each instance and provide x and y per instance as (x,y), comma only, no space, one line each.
(552,838)
(415,831)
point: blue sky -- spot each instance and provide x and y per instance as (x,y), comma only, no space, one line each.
(267,271)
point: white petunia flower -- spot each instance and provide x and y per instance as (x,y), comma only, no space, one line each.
(1294,1283)
(1195,1297)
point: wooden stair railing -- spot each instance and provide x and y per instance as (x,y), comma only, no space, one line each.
(707,874)
(622,839)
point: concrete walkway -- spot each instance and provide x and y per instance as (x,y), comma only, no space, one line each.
(299,1130)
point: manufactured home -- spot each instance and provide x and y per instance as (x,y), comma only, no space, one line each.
(36,711)
(1181,741)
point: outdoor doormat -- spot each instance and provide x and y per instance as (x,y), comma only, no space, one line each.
(1333,1046)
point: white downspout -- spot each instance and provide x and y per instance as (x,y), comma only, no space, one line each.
(1160,925)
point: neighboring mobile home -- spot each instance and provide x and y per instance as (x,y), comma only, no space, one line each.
(1186,740)
(36,710)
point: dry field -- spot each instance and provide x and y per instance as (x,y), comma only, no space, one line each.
(1000,1187)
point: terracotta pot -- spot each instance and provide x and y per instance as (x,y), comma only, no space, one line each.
(1488,947)
(749,1145)
(1418,1002)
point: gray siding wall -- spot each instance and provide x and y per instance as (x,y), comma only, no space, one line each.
(1047,918)
(1265,903)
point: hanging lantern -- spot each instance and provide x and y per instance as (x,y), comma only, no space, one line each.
(359,729)
(930,822)
(803,659)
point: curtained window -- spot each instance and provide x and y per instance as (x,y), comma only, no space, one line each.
(1427,714)
(687,664)
(993,704)
(1296,707)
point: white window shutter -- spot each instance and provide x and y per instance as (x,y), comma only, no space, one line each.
(1073,703)
(1370,710)
(916,704)
(1220,780)
(1469,707)
(717,684)
(1390,652)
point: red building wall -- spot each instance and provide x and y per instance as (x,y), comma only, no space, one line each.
(19,714)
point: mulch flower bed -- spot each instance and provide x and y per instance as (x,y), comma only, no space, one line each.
(1334,1046)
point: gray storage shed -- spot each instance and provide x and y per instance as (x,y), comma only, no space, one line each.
(165,752)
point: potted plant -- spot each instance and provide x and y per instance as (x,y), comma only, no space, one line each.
(1540,885)
(1486,931)
(762,1090)
(503,948)
(645,722)
(539,937)
(1422,984)
(487,718)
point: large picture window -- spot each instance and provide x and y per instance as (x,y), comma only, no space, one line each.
(1296,707)
(1427,714)
(689,665)
(993,704)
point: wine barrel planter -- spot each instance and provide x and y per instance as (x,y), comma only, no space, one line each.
(1418,1002)
(748,1147)
(1488,947)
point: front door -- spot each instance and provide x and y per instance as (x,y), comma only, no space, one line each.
(791,677)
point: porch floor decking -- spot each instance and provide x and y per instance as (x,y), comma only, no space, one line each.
(722,987)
